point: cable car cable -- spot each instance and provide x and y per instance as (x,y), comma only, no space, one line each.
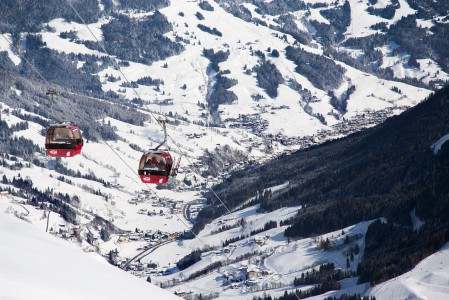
(135,91)
(138,95)
(32,66)
(113,150)
(23,57)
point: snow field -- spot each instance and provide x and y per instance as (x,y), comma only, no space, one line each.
(287,261)
(5,45)
(38,266)
(238,36)
(428,280)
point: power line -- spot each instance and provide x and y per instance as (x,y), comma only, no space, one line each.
(145,105)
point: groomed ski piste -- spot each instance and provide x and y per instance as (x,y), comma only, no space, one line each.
(428,280)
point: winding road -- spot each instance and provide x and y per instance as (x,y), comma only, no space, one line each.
(146,252)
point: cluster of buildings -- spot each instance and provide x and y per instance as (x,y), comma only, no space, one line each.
(153,238)
(144,270)
(251,122)
(343,128)
(248,275)
(364,120)
(171,206)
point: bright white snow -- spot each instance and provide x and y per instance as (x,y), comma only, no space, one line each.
(5,45)
(428,280)
(36,265)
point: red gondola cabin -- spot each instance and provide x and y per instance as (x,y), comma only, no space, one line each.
(63,140)
(155,167)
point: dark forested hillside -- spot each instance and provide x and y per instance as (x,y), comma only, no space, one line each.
(29,16)
(386,171)
(67,105)
(141,41)
(322,72)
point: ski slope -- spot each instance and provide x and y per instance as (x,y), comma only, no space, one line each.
(428,280)
(35,265)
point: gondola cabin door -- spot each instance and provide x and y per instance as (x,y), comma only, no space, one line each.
(63,140)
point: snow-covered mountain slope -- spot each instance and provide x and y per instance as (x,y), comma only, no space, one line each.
(187,79)
(276,259)
(35,265)
(428,280)
(337,85)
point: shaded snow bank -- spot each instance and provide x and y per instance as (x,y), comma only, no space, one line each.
(417,223)
(437,146)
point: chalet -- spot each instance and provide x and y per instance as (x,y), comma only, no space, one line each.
(177,205)
(142,211)
(252,282)
(137,273)
(134,237)
(252,273)
(267,272)
(259,240)
(243,269)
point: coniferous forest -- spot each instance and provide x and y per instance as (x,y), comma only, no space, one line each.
(386,171)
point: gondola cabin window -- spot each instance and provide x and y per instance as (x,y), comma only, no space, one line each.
(61,135)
